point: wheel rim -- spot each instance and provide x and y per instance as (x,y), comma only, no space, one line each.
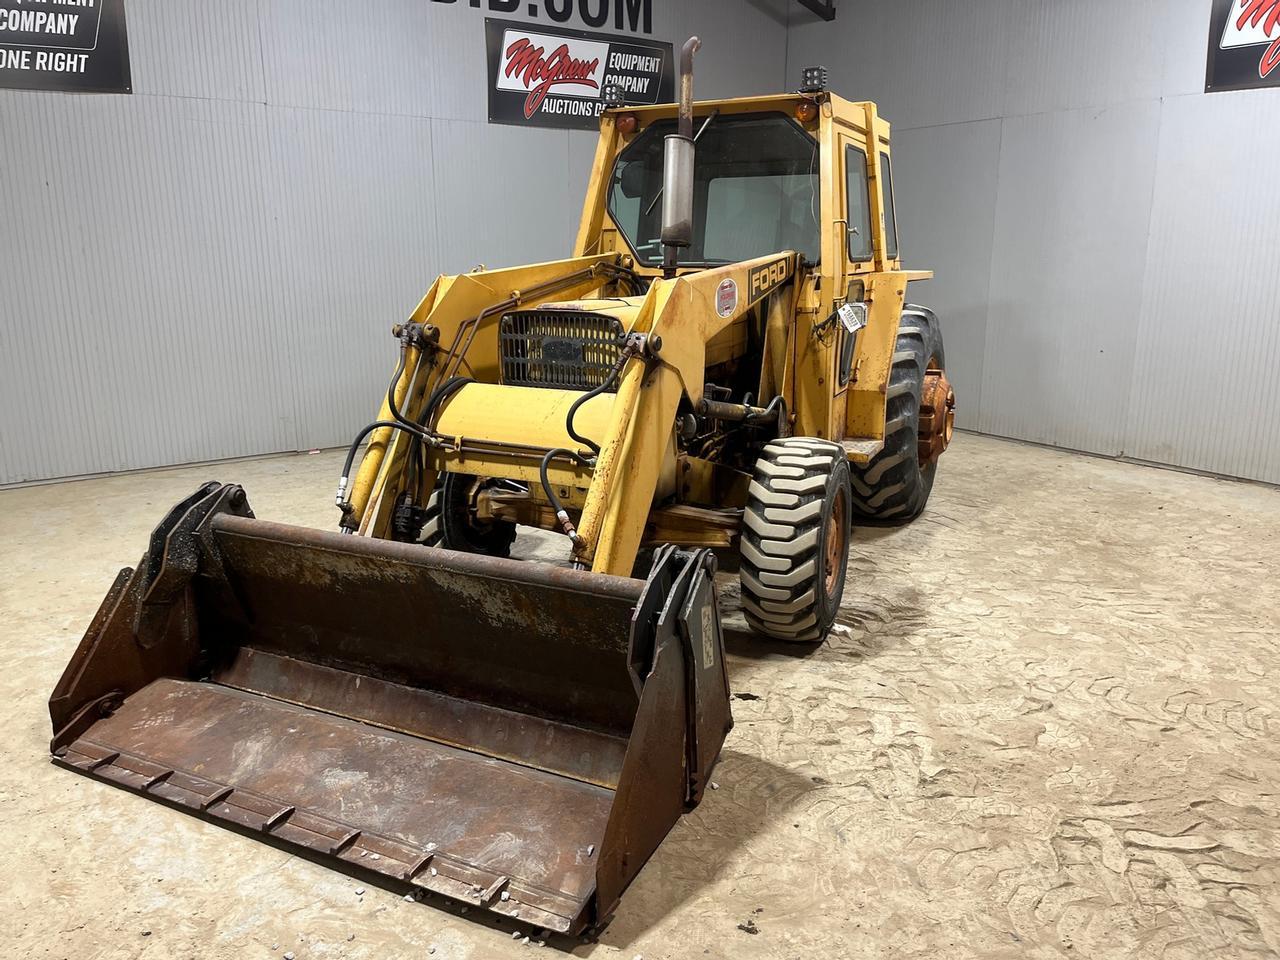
(937,420)
(833,542)
(474,523)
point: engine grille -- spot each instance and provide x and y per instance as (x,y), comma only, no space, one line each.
(558,348)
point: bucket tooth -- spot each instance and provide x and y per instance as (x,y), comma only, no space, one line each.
(494,731)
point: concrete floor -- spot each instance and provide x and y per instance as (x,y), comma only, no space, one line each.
(1050,729)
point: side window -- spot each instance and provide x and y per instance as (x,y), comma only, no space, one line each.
(855,166)
(847,341)
(890,217)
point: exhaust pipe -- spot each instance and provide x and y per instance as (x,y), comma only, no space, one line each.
(677,173)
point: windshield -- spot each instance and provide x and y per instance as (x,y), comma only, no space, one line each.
(755,191)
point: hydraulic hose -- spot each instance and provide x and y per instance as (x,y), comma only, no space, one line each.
(391,390)
(623,356)
(418,431)
(561,513)
(340,497)
(626,353)
(400,422)
(438,396)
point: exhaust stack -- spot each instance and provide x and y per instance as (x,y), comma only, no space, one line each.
(677,174)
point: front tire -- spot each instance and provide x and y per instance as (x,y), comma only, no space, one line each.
(455,521)
(431,527)
(795,539)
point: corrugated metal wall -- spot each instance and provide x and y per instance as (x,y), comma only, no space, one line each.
(1105,235)
(210,268)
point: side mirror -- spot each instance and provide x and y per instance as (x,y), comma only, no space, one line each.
(632,179)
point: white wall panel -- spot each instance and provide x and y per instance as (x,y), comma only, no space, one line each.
(1066,274)
(193,48)
(744,48)
(582,153)
(367,57)
(138,322)
(292,173)
(1103,276)
(1084,53)
(502,195)
(355,210)
(211,267)
(946,224)
(1183,26)
(925,62)
(1205,392)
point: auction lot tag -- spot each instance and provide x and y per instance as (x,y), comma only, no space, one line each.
(853,316)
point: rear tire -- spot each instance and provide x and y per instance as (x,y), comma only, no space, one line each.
(457,525)
(795,539)
(893,487)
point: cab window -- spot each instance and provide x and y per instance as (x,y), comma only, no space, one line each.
(855,165)
(890,218)
(755,191)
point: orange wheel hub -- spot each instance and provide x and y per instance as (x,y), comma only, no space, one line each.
(833,545)
(937,415)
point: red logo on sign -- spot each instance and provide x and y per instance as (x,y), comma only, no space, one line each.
(1255,23)
(539,74)
(1264,13)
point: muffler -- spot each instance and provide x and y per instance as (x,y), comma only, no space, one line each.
(677,169)
(514,735)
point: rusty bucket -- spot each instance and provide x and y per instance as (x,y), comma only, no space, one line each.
(514,735)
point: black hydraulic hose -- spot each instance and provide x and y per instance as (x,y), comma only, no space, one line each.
(625,355)
(391,390)
(340,498)
(561,513)
(416,459)
(420,433)
(438,396)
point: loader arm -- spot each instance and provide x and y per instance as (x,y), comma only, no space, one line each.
(686,313)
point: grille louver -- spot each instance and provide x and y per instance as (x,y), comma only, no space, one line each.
(558,348)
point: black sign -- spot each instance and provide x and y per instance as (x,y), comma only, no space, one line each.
(71,45)
(1244,45)
(551,77)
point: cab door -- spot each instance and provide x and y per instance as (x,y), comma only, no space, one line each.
(856,239)
(874,287)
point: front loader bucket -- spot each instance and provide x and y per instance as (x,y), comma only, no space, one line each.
(513,735)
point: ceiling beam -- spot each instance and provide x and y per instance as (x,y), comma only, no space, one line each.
(826,9)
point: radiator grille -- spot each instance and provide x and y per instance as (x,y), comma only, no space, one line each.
(553,348)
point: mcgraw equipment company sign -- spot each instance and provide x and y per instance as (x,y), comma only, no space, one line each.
(1244,45)
(79,46)
(552,77)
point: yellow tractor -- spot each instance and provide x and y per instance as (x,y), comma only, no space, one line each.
(727,366)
